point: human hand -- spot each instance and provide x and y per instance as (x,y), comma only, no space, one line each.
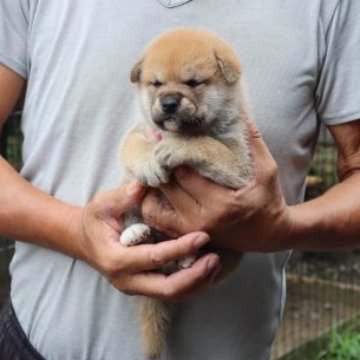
(254,218)
(132,269)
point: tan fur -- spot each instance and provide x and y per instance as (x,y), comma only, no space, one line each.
(154,318)
(207,132)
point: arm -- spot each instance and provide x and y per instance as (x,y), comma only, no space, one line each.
(332,221)
(21,204)
(256,218)
(91,233)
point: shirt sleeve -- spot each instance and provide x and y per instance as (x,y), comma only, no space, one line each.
(14,34)
(337,97)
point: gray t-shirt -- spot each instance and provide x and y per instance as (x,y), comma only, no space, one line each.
(301,65)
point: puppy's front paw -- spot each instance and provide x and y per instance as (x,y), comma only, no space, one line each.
(168,155)
(152,174)
(135,234)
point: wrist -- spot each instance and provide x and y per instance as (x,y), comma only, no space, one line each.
(307,228)
(60,228)
(73,233)
(288,231)
(296,229)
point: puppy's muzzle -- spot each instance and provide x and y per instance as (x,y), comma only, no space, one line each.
(170,103)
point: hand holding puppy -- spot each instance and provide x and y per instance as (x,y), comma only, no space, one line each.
(254,218)
(131,269)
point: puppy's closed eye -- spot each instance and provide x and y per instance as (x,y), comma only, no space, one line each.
(193,83)
(156,83)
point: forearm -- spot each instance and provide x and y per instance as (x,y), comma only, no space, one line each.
(32,216)
(329,222)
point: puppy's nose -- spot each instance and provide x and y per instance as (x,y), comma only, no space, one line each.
(170,103)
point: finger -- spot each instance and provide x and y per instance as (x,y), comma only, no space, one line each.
(204,286)
(262,159)
(153,256)
(159,215)
(174,286)
(180,199)
(122,198)
(199,187)
(134,192)
(153,135)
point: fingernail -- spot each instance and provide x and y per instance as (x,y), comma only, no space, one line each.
(201,240)
(212,264)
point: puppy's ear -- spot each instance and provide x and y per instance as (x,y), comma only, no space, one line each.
(135,73)
(229,67)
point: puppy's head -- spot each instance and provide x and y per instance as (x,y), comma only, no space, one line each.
(186,80)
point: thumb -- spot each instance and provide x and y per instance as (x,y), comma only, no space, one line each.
(261,158)
(256,141)
(129,194)
(109,206)
(119,200)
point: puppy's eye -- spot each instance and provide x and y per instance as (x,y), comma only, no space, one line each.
(156,83)
(192,83)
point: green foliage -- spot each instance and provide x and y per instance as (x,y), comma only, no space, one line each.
(324,165)
(343,345)
(14,151)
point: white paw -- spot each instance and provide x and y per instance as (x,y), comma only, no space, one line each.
(135,234)
(186,262)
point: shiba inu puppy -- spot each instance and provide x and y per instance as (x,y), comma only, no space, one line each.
(189,88)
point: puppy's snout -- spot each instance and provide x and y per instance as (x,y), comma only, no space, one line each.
(170,103)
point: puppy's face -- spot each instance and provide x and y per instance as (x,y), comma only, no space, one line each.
(186,80)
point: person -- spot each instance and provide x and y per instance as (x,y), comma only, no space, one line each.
(71,279)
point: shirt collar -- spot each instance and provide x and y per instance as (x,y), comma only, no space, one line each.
(172,3)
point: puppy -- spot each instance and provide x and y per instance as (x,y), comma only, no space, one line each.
(190,89)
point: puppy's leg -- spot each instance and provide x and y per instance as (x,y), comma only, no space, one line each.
(153,314)
(135,231)
(137,156)
(154,318)
(139,162)
(210,157)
